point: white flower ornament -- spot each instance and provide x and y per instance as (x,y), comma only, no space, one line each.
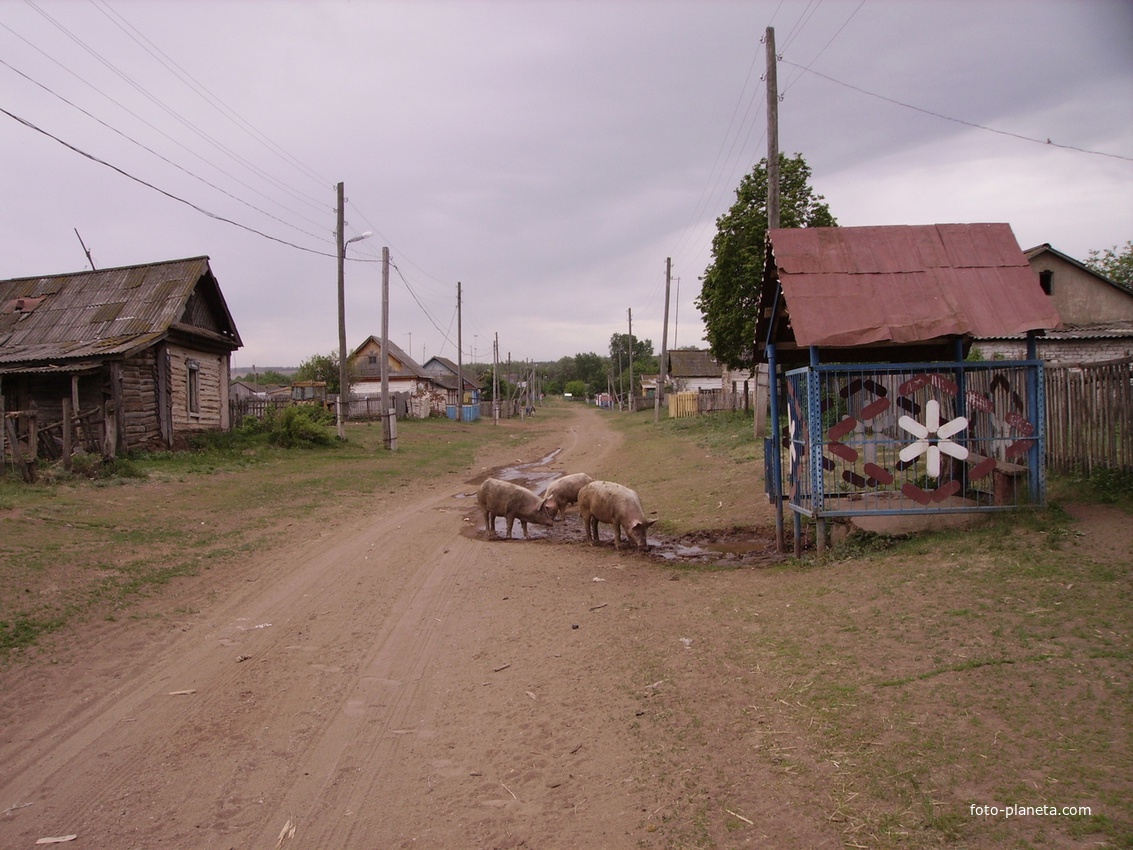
(932,437)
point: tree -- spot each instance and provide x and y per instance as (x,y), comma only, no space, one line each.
(1118,267)
(592,369)
(731,283)
(320,367)
(577,389)
(644,361)
(263,379)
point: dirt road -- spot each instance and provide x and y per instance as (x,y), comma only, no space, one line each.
(392,683)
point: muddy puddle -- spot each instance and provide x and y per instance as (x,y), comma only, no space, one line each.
(735,547)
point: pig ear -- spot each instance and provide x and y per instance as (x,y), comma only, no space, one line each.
(649,522)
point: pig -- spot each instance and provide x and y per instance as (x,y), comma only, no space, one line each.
(563,492)
(503,499)
(605,501)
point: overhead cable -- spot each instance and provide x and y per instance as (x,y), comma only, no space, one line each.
(957,120)
(160,191)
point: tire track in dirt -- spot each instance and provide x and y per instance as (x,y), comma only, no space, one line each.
(315,681)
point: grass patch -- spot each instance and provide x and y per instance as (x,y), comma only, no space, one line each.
(87,543)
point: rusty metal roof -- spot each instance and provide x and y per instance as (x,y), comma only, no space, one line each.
(110,312)
(904,285)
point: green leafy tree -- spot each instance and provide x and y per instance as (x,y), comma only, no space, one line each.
(731,284)
(576,388)
(1114,264)
(264,378)
(592,369)
(644,360)
(320,367)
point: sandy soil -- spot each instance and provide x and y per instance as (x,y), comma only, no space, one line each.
(400,680)
(392,683)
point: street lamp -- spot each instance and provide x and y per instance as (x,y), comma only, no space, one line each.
(343,377)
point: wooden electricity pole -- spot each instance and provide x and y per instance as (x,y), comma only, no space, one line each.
(631,398)
(343,376)
(459,362)
(772,132)
(389,420)
(660,391)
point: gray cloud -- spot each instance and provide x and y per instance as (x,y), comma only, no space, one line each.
(548,155)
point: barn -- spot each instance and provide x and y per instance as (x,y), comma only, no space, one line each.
(126,358)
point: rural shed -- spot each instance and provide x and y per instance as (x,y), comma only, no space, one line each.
(140,354)
(902,292)
(885,416)
(694,370)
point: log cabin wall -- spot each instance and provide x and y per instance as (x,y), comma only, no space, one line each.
(139,420)
(211,398)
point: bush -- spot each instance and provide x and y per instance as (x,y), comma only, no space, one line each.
(295,426)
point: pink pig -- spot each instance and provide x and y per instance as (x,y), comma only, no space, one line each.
(605,501)
(563,492)
(502,498)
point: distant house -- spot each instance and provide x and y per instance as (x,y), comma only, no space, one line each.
(239,390)
(403,374)
(142,353)
(694,370)
(1096,312)
(446,378)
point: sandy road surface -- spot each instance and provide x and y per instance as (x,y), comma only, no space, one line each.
(392,683)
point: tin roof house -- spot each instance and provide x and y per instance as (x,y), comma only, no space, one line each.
(139,353)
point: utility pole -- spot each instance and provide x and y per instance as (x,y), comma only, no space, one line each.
(459,362)
(343,377)
(664,344)
(496,380)
(343,373)
(772,132)
(389,420)
(631,398)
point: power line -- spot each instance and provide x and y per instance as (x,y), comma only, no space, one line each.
(150,150)
(956,120)
(200,89)
(169,195)
(156,101)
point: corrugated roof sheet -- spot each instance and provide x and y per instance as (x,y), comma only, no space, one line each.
(861,286)
(97,313)
(693,363)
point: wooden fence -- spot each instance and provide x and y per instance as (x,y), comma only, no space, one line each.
(713,401)
(1089,416)
(359,407)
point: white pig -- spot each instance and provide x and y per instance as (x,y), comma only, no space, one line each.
(502,498)
(563,492)
(605,501)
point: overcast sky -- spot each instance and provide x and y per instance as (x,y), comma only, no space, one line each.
(547,155)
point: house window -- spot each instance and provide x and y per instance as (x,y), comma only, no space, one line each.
(1046,281)
(194,387)
(372,359)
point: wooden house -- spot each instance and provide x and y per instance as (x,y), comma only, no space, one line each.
(140,354)
(447,379)
(694,370)
(403,374)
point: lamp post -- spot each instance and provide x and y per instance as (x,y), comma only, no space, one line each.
(343,377)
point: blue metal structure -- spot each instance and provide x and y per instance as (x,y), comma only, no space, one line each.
(905,438)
